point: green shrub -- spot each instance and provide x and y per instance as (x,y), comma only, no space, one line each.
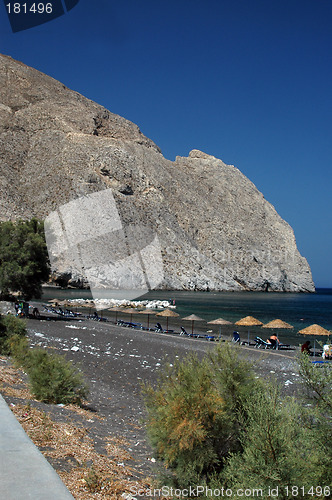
(19,349)
(93,481)
(275,447)
(192,413)
(24,263)
(12,332)
(318,382)
(215,424)
(53,379)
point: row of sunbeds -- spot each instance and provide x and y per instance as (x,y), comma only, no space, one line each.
(159,329)
(259,342)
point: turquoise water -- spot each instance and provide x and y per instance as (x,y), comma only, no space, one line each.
(300,310)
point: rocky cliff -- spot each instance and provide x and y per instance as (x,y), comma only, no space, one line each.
(216,230)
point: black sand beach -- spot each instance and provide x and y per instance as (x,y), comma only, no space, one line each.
(117,360)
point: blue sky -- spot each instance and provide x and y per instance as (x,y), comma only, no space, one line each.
(248,81)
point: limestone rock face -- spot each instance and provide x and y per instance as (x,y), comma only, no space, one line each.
(217,232)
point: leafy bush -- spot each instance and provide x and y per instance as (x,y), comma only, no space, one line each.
(275,445)
(53,379)
(192,413)
(24,263)
(318,382)
(216,425)
(12,332)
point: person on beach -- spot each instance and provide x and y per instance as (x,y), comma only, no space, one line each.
(35,312)
(273,339)
(327,351)
(305,348)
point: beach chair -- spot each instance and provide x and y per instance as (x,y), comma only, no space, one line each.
(260,342)
(158,328)
(137,326)
(95,317)
(183,331)
(284,346)
(236,337)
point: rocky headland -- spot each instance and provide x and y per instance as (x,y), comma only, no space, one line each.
(216,230)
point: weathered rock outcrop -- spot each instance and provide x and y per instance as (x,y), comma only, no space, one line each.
(216,230)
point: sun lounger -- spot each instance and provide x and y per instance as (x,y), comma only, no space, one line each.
(284,346)
(322,364)
(95,317)
(272,344)
(130,324)
(183,331)
(136,326)
(262,343)
(236,337)
(159,329)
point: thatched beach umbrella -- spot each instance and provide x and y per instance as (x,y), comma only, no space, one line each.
(54,301)
(66,303)
(116,309)
(148,312)
(278,324)
(168,313)
(131,311)
(193,318)
(89,304)
(220,322)
(315,330)
(249,321)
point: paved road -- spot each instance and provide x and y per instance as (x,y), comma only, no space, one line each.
(24,472)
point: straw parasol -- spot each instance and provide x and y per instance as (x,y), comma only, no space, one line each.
(116,309)
(315,330)
(66,303)
(278,324)
(148,312)
(131,311)
(193,318)
(54,301)
(89,304)
(168,313)
(220,322)
(249,321)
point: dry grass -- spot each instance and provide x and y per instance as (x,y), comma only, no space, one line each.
(11,380)
(86,473)
(83,412)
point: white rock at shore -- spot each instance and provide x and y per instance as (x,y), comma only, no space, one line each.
(108,303)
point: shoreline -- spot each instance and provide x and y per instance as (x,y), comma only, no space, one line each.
(300,310)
